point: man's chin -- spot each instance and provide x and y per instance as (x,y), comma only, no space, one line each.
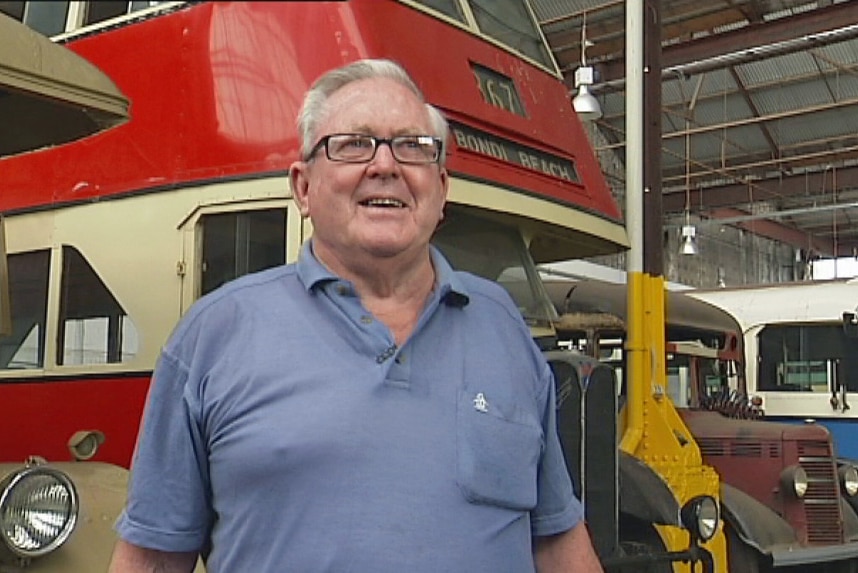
(385,250)
(389,247)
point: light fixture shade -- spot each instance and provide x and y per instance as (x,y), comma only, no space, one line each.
(689,245)
(586,105)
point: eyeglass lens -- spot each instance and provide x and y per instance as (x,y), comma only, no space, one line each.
(405,148)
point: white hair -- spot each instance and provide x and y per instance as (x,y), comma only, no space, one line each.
(313,107)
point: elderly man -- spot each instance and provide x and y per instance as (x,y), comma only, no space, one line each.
(353,411)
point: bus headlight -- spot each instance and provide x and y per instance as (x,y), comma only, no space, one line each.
(700,516)
(38,510)
(848,479)
(794,479)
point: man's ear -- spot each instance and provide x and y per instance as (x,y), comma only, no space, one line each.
(445,188)
(299,179)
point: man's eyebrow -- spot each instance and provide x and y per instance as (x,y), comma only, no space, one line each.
(361,129)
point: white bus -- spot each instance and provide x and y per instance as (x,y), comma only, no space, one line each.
(801,347)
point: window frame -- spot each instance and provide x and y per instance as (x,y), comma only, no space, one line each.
(471,26)
(192,239)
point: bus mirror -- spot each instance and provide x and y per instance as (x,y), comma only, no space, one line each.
(850,324)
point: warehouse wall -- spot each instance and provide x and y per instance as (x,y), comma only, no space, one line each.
(726,255)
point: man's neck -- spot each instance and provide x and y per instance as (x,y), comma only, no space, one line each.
(393,289)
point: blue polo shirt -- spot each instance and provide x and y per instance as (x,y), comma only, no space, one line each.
(286,431)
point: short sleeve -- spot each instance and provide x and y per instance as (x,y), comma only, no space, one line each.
(168,504)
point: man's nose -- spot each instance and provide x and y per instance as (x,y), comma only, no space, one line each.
(384,161)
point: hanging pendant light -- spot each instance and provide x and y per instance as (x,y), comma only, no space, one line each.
(585,104)
(689,240)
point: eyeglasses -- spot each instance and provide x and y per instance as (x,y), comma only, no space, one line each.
(358,148)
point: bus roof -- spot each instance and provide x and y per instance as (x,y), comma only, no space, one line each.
(593,296)
(810,301)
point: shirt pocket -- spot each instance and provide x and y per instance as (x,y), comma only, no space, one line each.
(497,454)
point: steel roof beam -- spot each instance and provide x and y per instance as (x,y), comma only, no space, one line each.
(754,42)
(774,230)
(776,188)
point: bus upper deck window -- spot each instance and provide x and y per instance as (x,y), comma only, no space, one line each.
(449,8)
(135,6)
(99,11)
(510,23)
(48,18)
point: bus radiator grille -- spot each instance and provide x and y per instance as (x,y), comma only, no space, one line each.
(822,500)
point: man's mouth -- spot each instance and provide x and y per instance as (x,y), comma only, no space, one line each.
(386,203)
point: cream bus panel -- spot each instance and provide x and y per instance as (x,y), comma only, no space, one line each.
(147,232)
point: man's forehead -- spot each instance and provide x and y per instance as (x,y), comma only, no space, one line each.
(362,106)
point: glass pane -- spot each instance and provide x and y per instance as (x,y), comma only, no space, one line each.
(49,18)
(496,252)
(95,329)
(802,357)
(28,299)
(449,8)
(135,6)
(85,341)
(510,23)
(13,10)
(104,10)
(235,244)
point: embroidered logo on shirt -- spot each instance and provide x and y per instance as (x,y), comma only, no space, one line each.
(480,403)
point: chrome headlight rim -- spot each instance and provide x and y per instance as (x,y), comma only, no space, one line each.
(17,479)
(701,516)
(794,480)
(848,475)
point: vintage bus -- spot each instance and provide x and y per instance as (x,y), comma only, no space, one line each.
(787,502)
(110,239)
(802,350)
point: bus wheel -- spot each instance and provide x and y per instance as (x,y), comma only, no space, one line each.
(740,556)
(639,538)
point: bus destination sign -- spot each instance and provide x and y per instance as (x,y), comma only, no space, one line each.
(511,152)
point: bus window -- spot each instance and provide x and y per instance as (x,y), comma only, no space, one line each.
(496,252)
(135,6)
(24,346)
(99,11)
(105,10)
(48,18)
(509,22)
(94,328)
(51,18)
(450,8)
(800,357)
(238,243)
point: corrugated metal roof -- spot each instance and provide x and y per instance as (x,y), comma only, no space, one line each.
(774,86)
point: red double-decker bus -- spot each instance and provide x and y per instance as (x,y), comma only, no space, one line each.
(111,238)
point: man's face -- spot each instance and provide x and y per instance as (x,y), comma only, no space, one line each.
(378,209)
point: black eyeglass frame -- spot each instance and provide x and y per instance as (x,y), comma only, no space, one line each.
(376,143)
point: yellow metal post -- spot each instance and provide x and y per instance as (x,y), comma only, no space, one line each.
(653,430)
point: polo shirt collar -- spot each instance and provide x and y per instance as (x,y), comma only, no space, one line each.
(450,288)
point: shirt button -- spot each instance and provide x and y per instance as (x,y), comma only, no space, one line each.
(400,359)
(366,319)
